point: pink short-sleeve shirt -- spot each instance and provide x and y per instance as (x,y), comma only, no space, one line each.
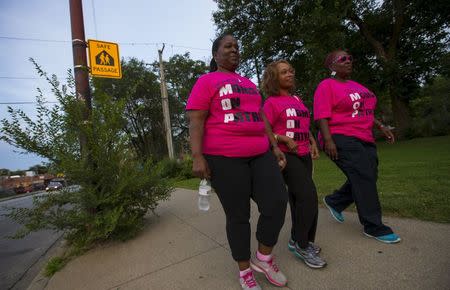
(234,127)
(348,106)
(290,117)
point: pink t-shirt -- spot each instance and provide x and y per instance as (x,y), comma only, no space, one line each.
(348,106)
(234,127)
(290,117)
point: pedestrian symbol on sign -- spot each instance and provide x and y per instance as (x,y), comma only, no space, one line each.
(104,58)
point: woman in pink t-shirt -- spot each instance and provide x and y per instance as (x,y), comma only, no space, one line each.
(231,147)
(290,121)
(344,110)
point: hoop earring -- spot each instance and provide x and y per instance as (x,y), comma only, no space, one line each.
(333,74)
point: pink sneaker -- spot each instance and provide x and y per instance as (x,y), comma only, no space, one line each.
(248,282)
(270,269)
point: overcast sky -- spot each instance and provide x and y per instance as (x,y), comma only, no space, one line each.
(41,29)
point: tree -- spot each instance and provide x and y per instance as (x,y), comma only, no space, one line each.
(398,44)
(5,172)
(181,74)
(17,172)
(39,169)
(116,188)
(140,92)
(431,110)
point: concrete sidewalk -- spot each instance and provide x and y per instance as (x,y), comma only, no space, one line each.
(183,248)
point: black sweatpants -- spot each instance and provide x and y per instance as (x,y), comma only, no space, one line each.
(235,181)
(358,160)
(302,198)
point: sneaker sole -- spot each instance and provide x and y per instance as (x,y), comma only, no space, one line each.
(261,270)
(383,241)
(331,211)
(307,263)
(291,248)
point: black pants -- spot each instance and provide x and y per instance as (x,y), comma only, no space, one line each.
(302,198)
(236,180)
(358,160)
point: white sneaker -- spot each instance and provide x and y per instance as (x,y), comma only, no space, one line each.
(270,270)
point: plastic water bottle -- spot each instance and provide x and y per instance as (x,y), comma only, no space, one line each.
(204,190)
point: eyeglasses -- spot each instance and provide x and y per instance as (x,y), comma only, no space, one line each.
(343,58)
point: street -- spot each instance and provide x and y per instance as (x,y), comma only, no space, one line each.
(17,256)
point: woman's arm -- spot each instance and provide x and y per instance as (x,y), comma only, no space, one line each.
(386,131)
(329,148)
(313,146)
(196,127)
(290,143)
(274,143)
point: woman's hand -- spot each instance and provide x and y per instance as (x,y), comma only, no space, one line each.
(291,145)
(200,167)
(388,134)
(330,149)
(314,151)
(281,158)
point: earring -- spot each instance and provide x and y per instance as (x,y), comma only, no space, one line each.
(333,73)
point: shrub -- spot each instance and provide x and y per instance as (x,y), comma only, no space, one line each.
(115,189)
(179,169)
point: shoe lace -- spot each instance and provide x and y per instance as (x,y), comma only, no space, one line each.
(273,265)
(249,280)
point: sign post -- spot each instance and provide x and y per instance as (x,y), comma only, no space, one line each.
(104,59)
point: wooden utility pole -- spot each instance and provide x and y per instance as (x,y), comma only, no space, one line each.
(165,105)
(80,65)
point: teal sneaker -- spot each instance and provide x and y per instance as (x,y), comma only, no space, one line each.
(339,217)
(387,239)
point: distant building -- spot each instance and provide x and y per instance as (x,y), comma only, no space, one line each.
(30,173)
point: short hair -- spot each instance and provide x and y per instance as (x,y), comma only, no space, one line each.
(215,47)
(332,56)
(270,83)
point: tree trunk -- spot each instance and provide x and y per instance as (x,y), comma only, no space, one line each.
(400,113)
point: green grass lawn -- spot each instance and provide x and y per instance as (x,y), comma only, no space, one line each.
(414,178)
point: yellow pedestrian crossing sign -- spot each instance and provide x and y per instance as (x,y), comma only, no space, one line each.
(104,59)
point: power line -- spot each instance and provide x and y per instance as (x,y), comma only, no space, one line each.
(34,39)
(26,103)
(121,43)
(20,78)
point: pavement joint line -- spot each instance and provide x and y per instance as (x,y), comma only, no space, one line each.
(218,245)
(185,222)
(163,268)
(209,238)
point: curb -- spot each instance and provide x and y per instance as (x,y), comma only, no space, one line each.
(20,195)
(40,281)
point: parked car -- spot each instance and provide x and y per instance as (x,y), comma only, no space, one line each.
(53,185)
(23,189)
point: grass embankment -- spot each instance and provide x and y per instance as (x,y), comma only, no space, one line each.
(414,178)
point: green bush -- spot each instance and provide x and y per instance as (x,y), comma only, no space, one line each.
(186,167)
(115,189)
(179,169)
